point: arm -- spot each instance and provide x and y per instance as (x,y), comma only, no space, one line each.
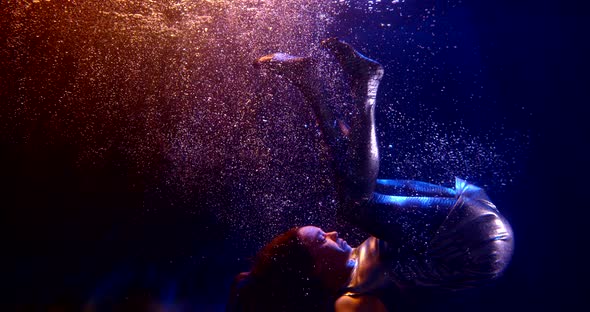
(359,304)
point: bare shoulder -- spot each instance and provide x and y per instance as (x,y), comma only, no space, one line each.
(359,304)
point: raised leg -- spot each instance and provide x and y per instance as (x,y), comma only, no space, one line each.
(412,188)
(362,153)
(301,71)
(354,149)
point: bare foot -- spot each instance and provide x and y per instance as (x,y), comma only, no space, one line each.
(294,68)
(365,73)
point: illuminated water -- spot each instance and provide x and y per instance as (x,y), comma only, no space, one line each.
(153,145)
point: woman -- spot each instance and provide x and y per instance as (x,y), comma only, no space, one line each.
(293,273)
(422,235)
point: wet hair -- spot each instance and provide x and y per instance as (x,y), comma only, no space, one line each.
(282,279)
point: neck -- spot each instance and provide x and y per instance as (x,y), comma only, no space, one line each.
(334,281)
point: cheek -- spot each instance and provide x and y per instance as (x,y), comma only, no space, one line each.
(329,256)
(323,257)
(335,257)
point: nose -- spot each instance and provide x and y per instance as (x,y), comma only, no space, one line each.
(332,235)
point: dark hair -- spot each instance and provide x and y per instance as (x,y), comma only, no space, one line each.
(282,279)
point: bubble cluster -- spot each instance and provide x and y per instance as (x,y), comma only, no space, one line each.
(435,151)
(166,90)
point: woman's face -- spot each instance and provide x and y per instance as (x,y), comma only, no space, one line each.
(330,253)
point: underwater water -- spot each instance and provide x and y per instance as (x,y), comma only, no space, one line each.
(145,160)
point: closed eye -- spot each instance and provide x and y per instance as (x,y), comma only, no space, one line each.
(322,238)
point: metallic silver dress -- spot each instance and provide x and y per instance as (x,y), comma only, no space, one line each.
(449,238)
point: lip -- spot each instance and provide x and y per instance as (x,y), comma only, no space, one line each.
(343,244)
